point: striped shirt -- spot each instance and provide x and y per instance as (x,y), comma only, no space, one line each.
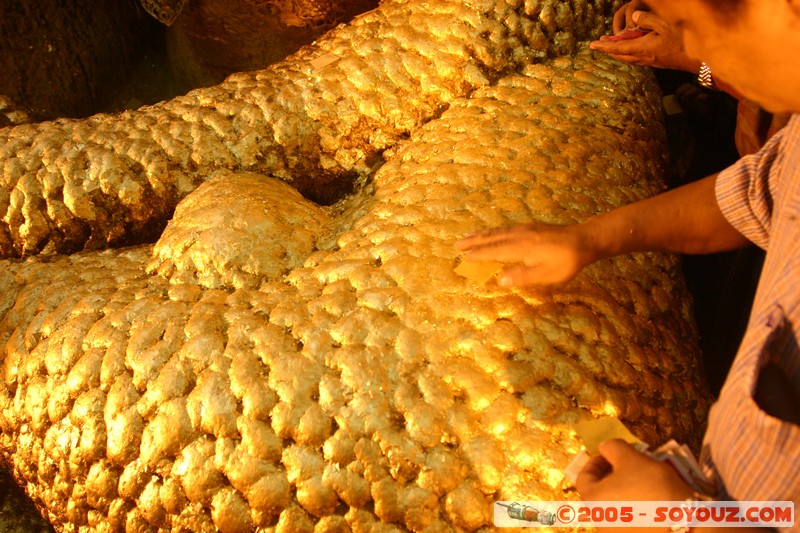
(755,455)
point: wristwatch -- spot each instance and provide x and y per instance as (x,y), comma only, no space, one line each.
(704,78)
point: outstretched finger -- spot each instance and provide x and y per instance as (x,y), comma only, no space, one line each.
(473,241)
(527,275)
(482,238)
(620,46)
(495,236)
(504,251)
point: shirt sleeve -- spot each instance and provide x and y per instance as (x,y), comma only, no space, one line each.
(746,191)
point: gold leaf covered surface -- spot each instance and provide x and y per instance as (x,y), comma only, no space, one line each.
(372,388)
(319,120)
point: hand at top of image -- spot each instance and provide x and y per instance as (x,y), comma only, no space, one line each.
(647,40)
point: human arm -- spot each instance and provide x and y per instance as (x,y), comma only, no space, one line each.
(683,220)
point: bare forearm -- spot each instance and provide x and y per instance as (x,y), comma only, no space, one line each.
(683,220)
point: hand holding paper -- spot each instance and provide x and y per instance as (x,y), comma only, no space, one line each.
(615,465)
